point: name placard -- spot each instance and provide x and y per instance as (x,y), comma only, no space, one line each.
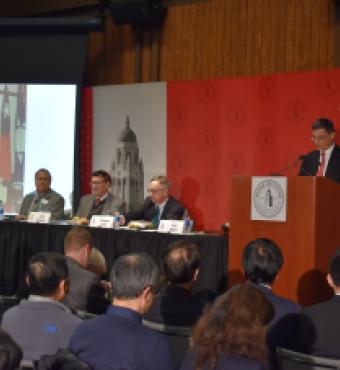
(39,217)
(172,226)
(105,222)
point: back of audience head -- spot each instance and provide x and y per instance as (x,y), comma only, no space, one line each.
(181,261)
(47,275)
(234,325)
(97,262)
(131,274)
(78,245)
(10,352)
(333,276)
(262,259)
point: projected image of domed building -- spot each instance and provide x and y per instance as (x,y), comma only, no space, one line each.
(128,170)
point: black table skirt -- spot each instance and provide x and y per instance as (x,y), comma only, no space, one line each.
(19,241)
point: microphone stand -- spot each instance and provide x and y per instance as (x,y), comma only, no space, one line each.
(293,164)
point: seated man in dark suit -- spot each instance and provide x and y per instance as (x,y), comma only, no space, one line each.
(261,261)
(159,205)
(41,324)
(318,331)
(177,305)
(43,198)
(101,201)
(117,339)
(325,161)
(86,291)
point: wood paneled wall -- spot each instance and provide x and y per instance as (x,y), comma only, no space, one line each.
(220,38)
(210,39)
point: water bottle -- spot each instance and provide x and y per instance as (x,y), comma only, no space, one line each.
(2,210)
(187,222)
(116,219)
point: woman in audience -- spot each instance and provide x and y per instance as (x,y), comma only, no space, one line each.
(99,293)
(97,263)
(10,352)
(232,334)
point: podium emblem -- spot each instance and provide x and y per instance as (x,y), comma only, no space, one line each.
(269,198)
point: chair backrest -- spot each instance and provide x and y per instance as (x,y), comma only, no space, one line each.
(290,360)
(178,337)
(6,302)
(85,315)
(28,364)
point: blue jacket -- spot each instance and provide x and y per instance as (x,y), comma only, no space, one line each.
(118,340)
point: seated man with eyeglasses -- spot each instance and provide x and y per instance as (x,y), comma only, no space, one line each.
(117,339)
(101,201)
(159,205)
(325,161)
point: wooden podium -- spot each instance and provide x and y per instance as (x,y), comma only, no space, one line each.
(310,235)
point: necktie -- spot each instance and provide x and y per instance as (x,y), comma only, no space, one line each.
(322,164)
(155,218)
(97,201)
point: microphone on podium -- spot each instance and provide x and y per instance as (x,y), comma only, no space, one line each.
(290,165)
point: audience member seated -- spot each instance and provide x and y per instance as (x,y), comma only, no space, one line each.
(232,333)
(262,260)
(101,201)
(318,330)
(97,263)
(99,293)
(159,205)
(118,339)
(43,199)
(83,283)
(42,324)
(10,352)
(177,305)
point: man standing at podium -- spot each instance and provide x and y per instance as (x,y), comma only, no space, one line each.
(325,161)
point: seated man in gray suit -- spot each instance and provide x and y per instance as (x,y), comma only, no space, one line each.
(101,201)
(43,198)
(41,324)
(85,286)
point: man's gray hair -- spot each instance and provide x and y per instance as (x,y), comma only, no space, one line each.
(131,274)
(163,180)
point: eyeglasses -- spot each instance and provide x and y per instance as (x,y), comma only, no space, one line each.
(317,139)
(96,183)
(153,191)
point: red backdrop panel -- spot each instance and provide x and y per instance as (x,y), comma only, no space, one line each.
(240,126)
(86,135)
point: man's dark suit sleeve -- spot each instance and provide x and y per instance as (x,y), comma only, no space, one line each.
(140,214)
(305,334)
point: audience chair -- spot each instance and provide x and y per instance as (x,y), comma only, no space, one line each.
(290,360)
(178,337)
(85,315)
(28,364)
(6,302)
